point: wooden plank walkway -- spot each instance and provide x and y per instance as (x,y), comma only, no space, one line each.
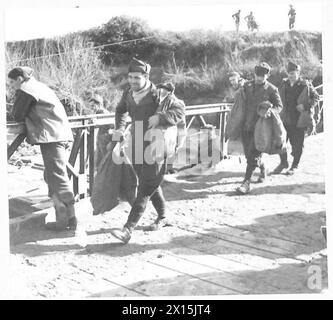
(219,244)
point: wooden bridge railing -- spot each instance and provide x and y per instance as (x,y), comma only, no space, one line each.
(84,129)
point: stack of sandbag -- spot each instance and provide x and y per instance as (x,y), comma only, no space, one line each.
(270,135)
(236,117)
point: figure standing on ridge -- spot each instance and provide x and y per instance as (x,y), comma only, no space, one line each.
(292,17)
(236,17)
(251,23)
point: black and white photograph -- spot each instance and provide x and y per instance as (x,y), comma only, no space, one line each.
(165,149)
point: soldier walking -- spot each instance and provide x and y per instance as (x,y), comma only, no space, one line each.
(291,90)
(141,102)
(256,92)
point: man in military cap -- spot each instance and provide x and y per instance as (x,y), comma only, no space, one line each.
(140,101)
(236,80)
(256,91)
(290,91)
(168,100)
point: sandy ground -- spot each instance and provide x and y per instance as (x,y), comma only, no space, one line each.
(266,242)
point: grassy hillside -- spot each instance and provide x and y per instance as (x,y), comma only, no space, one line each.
(196,61)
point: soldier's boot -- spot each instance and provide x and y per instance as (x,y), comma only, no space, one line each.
(72,220)
(294,167)
(282,165)
(61,222)
(157,224)
(244,188)
(291,171)
(124,235)
(68,199)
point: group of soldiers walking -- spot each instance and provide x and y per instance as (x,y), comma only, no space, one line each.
(150,106)
(252,24)
(285,101)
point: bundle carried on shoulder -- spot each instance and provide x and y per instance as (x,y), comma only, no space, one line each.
(270,135)
(170,133)
(236,117)
(163,143)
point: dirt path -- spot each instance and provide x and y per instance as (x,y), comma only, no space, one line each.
(220,243)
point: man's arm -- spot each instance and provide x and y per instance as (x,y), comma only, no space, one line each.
(313,96)
(22,105)
(275,99)
(172,115)
(121,113)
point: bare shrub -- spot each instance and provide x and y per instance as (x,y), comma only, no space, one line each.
(70,67)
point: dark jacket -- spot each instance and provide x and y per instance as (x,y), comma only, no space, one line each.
(41,110)
(306,95)
(254,95)
(171,112)
(138,112)
(148,106)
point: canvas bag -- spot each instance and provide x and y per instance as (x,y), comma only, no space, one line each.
(114,181)
(270,135)
(306,117)
(236,117)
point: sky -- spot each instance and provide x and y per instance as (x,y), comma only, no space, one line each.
(50,21)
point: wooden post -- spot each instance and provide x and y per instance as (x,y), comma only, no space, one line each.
(190,122)
(82,165)
(91,150)
(75,149)
(15,144)
(72,160)
(224,144)
(221,134)
(202,121)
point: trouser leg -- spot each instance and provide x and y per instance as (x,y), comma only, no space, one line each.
(150,178)
(138,209)
(253,156)
(297,136)
(54,157)
(283,158)
(158,202)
